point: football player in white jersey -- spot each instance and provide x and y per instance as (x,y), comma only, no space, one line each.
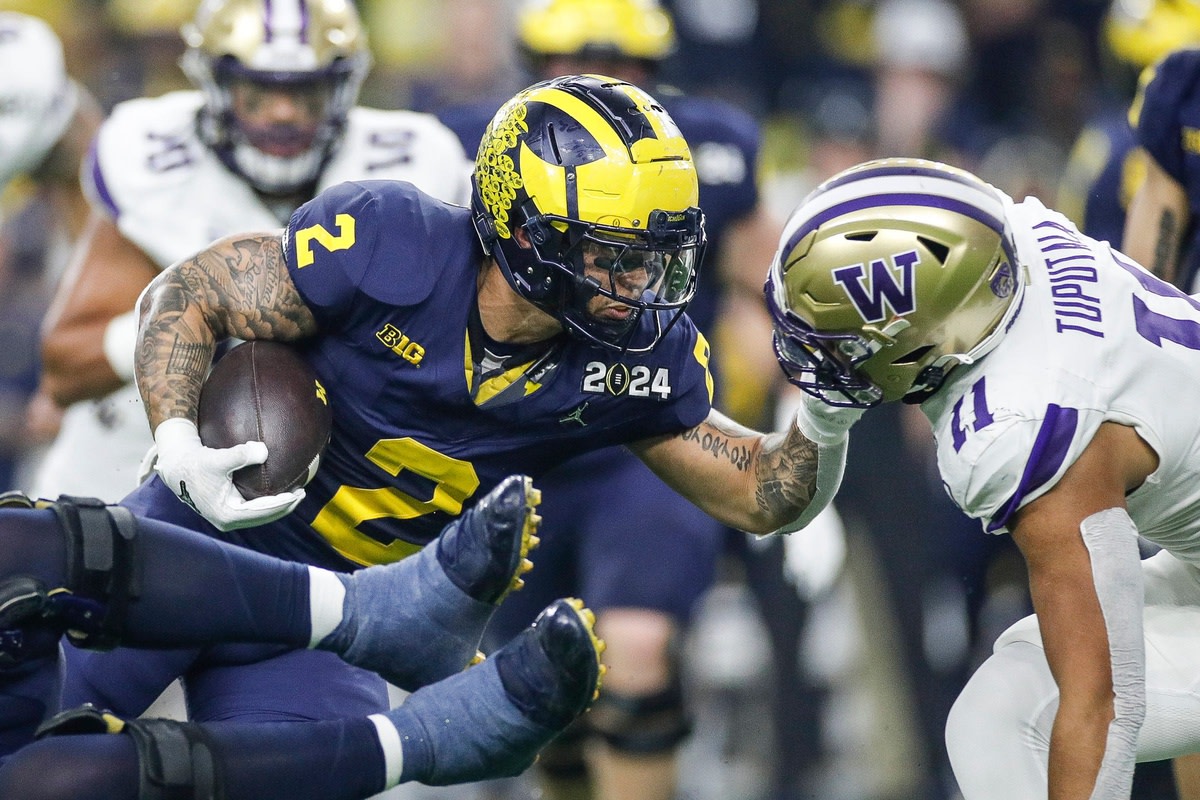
(272,121)
(1045,362)
(46,123)
(46,118)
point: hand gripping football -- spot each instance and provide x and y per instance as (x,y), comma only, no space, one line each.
(264,391)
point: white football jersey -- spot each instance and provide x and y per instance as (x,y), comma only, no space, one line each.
(37,99)
(172,196)
(1097,338)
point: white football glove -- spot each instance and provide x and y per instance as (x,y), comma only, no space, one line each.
(202,477)
(822,423)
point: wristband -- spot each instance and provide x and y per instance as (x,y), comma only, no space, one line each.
(120,344)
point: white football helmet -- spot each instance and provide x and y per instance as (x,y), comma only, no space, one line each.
(37,99)
(313,50)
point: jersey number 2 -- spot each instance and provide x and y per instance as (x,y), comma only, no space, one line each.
(344,239)
(338,520)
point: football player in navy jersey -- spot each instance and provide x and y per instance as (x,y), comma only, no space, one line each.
(1106,167)
(457,346)
(1161,230)
(103,577)
(643,589)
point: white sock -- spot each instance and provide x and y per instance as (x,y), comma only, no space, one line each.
(326,599)
(393,751)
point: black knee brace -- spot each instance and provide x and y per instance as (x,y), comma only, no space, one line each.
(103,577)
(175,759)
(103,571)
(642,725)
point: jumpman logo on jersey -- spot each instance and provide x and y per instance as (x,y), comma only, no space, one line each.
(575,416)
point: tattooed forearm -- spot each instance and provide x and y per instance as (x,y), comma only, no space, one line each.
(1166,246)
(187,358)
(787,476)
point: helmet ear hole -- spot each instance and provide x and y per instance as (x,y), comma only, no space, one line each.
(940,251)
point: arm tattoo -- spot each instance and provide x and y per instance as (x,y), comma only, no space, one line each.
(719,444)
(1165,248)
(787,475)
(239,287)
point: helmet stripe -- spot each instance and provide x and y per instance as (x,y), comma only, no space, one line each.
(572,190)
(889,170)
(890,186)
(268,28)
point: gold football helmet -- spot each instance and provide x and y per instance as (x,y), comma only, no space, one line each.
(584,188)
(888,275)
(314,51)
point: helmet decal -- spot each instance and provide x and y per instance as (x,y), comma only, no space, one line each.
(883,289)
(495,171)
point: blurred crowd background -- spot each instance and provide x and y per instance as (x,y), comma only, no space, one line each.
(825,665)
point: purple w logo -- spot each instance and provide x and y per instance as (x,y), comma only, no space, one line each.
(882,286)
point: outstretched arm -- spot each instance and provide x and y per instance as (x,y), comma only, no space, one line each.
(752,481)
(238,288)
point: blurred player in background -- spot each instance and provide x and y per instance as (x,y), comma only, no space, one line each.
(271,122)
(1161,229)
(643,563)
(46,123)
(48,119)
(1106,168)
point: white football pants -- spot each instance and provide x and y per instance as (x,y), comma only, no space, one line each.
(998,732)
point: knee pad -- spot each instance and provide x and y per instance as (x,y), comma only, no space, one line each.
(643,724)
(103,571)
(103,577)
(176,760)
(24,637)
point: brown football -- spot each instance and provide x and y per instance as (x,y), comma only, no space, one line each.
(264,391)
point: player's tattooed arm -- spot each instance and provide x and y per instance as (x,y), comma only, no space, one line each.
(751,481)
(237,288)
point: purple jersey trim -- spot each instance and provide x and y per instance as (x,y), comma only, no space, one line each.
(101,188)
(1049,451)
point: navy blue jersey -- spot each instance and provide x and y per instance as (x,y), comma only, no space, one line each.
(390,275)
(1167,116)
(1104,172)
(724,141)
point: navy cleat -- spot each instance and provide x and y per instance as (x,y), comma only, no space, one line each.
(421,619)
(493,719)
(484,551)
